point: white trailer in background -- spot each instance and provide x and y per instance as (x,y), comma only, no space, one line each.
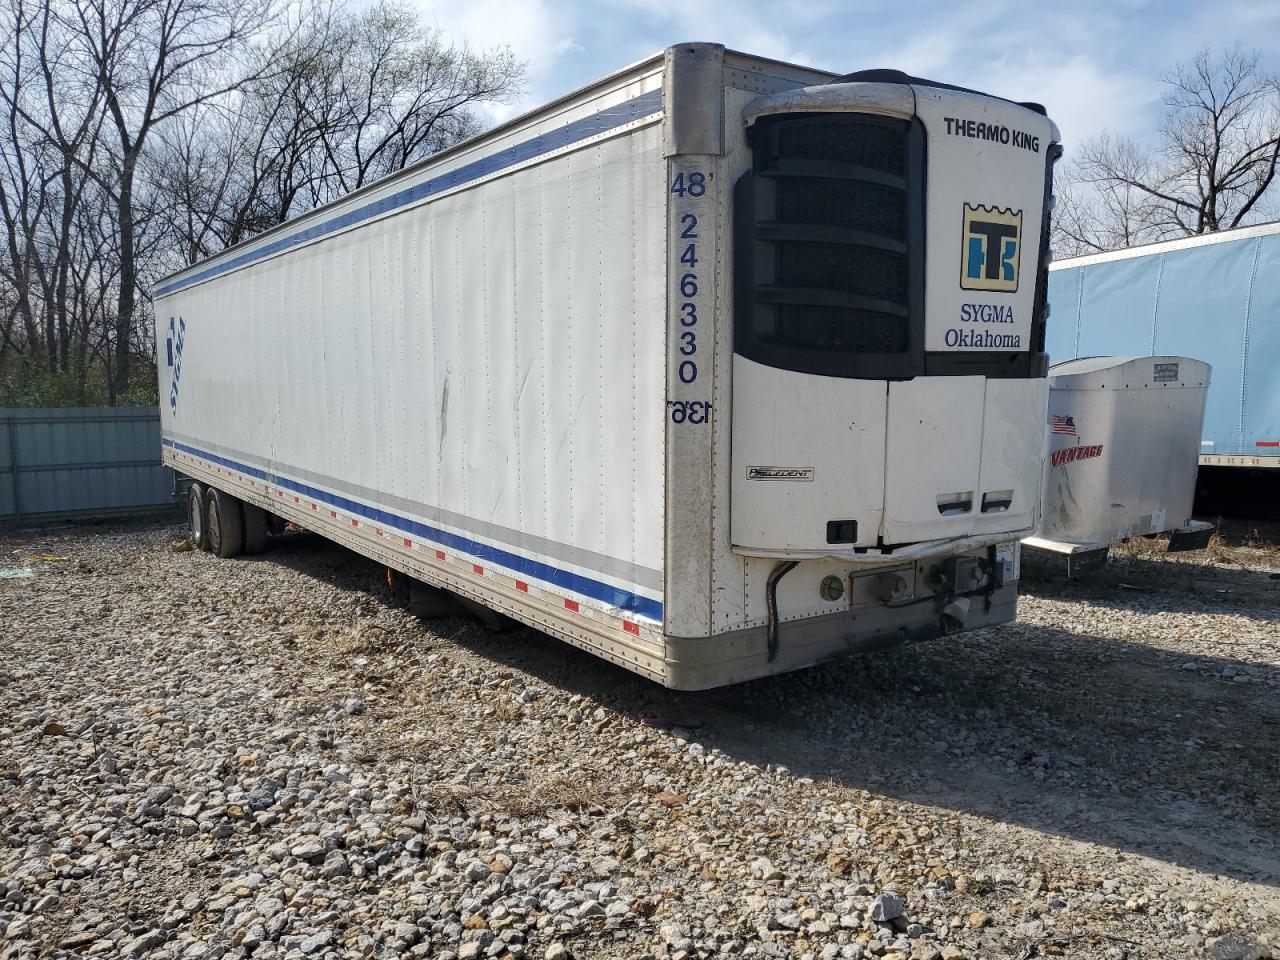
(715,368)
(1124,440)
(1213,296)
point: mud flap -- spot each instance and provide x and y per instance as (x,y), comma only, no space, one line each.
(1194,536)
(1079,557)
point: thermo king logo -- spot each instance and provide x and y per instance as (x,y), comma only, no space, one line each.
(803,474)
(990,246)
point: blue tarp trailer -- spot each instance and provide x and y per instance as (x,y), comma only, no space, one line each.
(1215,297)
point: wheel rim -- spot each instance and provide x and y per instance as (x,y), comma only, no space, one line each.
(213,527)
(195,517)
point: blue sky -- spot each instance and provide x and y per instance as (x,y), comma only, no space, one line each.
(1096,65)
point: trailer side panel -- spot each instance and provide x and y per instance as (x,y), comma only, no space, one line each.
(460,372)
(1215,298)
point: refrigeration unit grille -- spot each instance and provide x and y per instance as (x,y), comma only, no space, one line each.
(829,233)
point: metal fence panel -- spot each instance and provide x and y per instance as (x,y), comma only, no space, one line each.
(81,461)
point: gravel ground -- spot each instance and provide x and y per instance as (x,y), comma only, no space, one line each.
(206,758)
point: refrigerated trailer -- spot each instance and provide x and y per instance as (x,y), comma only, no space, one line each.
(715,368)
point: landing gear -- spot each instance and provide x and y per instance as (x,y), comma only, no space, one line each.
(255,528)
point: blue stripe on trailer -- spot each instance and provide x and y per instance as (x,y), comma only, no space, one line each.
(642,106)
(536,569)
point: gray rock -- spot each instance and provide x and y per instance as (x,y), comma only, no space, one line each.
(147,941)
(336,865)
(263,795)
(316,942)
(1234,948)
(310,849)
(885,907)
(159,796)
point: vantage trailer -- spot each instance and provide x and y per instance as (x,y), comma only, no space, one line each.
(716,368)
(1124,435)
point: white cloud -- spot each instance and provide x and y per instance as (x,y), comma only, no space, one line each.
(537,31)
(1081,96)
(766,29)
(1093,63)
(1084,86)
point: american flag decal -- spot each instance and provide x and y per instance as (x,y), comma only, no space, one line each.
(1064,426)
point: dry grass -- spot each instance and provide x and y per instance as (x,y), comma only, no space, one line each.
(1234,543)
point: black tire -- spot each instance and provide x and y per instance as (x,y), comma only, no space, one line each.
(255,528)
(195,517)
(224,528)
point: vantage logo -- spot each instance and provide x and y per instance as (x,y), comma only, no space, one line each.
(991,244)
(1071,454)
(177,336)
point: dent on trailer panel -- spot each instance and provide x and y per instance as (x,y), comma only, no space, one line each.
(446,306)
(467,394)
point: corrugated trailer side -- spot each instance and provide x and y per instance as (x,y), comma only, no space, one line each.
(1214,297)
(458,371)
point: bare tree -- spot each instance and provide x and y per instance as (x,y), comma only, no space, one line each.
(154,60)
(1214,163)
(352,98)
(401,92)
(137,136)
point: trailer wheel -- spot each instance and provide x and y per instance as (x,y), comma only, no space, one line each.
(255,528)
(195,517)
(223,526)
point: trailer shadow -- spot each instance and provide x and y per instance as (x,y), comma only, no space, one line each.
(1090,738)
(1161,583)
(1121,744)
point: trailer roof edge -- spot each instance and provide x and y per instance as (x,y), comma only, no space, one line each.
(637,67)
(1163,246)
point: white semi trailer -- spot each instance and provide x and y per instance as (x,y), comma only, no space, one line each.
(716,368)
